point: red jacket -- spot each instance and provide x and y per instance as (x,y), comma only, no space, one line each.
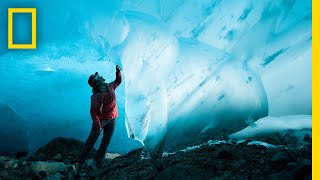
(109,109)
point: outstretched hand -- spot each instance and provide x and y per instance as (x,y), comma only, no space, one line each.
(118,68)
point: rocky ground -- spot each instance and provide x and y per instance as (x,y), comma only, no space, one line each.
(211,160)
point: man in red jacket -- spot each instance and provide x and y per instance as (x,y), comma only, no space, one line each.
(103,112)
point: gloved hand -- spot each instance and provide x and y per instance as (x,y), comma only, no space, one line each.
(118,68)
(97,126)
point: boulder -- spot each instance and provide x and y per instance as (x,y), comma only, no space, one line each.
(48,167)
(61,149)
(11,164)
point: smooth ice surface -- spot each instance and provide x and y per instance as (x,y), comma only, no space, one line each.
(192,70)
(175,83)
(268,125)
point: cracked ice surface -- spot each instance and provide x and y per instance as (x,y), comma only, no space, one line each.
(209,90)
(176,88)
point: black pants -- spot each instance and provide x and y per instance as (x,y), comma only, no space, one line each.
(93,136)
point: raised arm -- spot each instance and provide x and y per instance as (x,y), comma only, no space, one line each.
(118,77)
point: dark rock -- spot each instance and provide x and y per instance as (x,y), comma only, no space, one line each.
(292,165)
(71,168)
(19,155)
(209,163)
(4,173)
(148,172)
(263,161)
(223,154)
(69,176)
(66,147)
(227,175)
(183,171)
(40,157)
(307,138)
(257,177)
(161,164)
(220,165)
(134,154)
(43,174)
(11,164)
(48,167)
(4,158)
(34,175)
(280,159)
(23,163)
(138,170)
(57,157)
(238,163)
(55,176)
(215,161)
(301,171)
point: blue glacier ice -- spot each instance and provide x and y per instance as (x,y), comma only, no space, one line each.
(297,126)
(192,70)
(272,124)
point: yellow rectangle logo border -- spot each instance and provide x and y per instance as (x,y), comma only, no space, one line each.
(33,12)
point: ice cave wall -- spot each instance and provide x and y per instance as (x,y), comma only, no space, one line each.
(190,67)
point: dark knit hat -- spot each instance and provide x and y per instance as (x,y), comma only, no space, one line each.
(91,79)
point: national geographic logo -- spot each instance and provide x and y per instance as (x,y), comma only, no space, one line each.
(33,12)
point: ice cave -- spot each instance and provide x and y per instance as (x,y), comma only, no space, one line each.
(193,71)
